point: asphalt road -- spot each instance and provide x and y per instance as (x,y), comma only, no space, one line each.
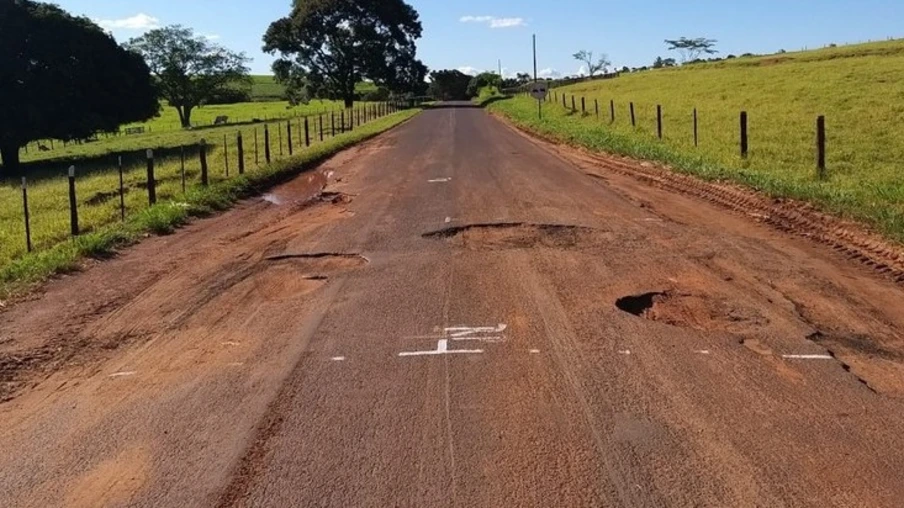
(466,318)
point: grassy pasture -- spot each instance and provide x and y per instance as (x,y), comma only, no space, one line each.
(98,178)
(858,88)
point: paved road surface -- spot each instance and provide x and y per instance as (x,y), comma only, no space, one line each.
(465,319)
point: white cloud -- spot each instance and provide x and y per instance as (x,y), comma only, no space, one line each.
(507,22)
(470,71)
(549,73)
(494,22)
(212,37)
(582,71)
(140,21)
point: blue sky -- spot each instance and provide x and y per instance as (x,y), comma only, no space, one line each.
(472,35)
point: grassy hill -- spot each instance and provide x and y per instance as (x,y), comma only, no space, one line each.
(265,88)
(858,88)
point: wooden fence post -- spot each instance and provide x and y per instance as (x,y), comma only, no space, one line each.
(612,110)
(332,123)
(633,119)
(821,145)
(563,100)
(27,216)
(744,145)
(73,203)
(182,165)
(307,133)
(573,108)
(241,150)
(289,135)
(122,190)
(279,138)
(659,120)
(342,121)
(152,182)
(321,127)
(226,154)
(583,105)
(203,151)
(596,106)
(696,137)
(267,143)
(257,152)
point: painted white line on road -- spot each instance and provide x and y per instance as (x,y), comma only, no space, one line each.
(230,343)
(808,357)
(338,358)
(480,339)
(124,374)
(461,331)
(625,352)
(442,348)
(440,180)
(534,351)
(702,352)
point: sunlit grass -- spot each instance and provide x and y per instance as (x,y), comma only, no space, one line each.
(858,89)
(99,201)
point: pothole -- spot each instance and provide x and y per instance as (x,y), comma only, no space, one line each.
(689,310)
(320,265)
(520,235)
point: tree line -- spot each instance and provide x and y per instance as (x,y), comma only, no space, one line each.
(63,77)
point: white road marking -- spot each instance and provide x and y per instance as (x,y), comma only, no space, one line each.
(625,352)
(534,351)
(808,357)
(230,343)
(702,352)
(442,348)
(439,180)
(124,374)
(480,339)
(338,358)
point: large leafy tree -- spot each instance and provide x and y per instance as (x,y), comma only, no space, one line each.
(483,80)
(329,46)
(62,77)
(449,85)
(190,70)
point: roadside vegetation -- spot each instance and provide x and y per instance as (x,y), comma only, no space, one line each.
(81,98)
(99,204)
(857,88)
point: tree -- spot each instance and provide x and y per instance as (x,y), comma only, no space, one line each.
(483,80)
(334,44)
(449,85)
(692,49)
(660,62)
(62,77)
(593,66)
(190,70)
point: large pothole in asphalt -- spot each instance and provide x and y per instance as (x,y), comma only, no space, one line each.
(697,311)
(320,265)
(520,235)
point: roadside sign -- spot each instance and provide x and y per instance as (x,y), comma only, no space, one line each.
(539,91)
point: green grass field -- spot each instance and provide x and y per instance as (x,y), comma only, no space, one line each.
(858,89)
(165,130)
(98,181)
(265,88)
